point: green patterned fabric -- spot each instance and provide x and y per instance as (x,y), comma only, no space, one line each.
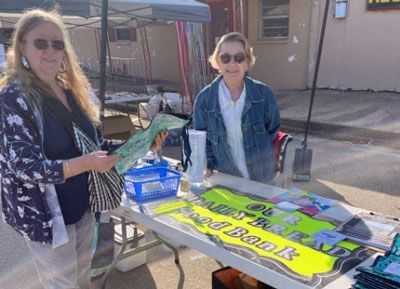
(140,143)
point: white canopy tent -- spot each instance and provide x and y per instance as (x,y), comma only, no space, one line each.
(101,13)
(132,13)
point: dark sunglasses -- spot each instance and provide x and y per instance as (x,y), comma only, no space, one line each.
(42,44)
(237,57)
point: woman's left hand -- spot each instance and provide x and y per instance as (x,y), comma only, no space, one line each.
(158,141)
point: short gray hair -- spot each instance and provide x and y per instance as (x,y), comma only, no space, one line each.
(233,37)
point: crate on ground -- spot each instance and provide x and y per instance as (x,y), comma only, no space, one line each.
(151,182)
(129,262)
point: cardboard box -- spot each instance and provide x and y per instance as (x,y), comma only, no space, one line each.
(145,111)
(118,127)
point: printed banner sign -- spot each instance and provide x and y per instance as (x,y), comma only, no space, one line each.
(256,229)
(383,4)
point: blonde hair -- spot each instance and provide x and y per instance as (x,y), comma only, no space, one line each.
(233,37)
(70,77)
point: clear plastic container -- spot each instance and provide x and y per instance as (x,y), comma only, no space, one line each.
(197,140)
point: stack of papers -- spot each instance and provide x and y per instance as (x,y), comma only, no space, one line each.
(384,273)
(371,229)
(298,200)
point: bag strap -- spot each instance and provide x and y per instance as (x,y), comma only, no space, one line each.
(186,149)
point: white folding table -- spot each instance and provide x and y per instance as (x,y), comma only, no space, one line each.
(174,230)
(128,104)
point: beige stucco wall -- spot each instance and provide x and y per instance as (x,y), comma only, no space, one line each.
(361,51)
(273,66)
(162,45)
(164,53)
(84,43)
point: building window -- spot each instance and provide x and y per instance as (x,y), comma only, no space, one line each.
(122,34)
(274,19)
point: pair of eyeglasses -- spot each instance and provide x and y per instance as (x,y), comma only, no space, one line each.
(239,57)
(42,44)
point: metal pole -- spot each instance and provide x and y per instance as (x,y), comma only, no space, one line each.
(321,42)
(241,17)
(103,55)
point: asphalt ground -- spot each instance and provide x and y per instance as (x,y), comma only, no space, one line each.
(362,175)
(363,117)
(358,170)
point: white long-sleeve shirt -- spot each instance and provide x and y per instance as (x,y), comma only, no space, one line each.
(232,114)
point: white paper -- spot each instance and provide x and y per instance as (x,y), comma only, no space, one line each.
(328,237)
(287,206)
(393,269)
(323,201)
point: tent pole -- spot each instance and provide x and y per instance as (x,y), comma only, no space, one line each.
(103,56)
(303,155)
(316,69)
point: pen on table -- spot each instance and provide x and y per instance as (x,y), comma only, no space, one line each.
(374,214)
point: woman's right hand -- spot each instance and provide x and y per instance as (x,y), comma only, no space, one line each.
(100,161)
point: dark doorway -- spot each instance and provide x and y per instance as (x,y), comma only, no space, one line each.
(5,36)
(222,20)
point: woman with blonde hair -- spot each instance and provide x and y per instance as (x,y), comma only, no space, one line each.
(54,164)
(240,114)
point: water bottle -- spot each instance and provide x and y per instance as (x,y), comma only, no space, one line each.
(197,140)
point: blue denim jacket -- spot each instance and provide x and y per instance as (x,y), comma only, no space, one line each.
(260,124)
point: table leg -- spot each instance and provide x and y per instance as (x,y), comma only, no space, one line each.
(171,247)
(138,248)
(124,244)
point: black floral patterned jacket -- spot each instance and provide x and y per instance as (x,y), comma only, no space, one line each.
(25,173)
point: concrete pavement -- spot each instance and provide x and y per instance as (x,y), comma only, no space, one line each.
(160,272)
(361,116)
(360,175)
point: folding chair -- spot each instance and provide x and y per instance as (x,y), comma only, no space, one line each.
(281,142)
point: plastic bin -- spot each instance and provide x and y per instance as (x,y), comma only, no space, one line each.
(152,182)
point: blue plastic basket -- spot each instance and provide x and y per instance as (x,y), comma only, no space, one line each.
(151,183)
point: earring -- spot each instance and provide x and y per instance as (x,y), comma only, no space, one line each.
(24,62)
(63,67)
